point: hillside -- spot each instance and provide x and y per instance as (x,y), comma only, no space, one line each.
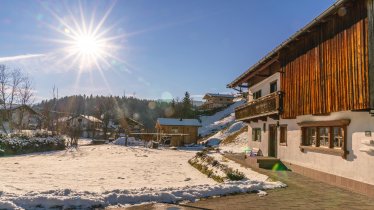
(223,131)
(219,120)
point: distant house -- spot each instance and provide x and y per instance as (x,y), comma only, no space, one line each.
(91,126)
(22,117)
(216,100)
(181,131)
(133,125)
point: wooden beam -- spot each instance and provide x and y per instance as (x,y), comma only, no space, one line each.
(370,12)
(262,75)
(342,122)
(257,69)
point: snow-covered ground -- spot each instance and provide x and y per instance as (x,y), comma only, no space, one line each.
(218,121)
(109,175)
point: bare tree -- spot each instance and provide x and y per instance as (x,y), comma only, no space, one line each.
(4,87)
(14,87)
(26,95)
(16,80)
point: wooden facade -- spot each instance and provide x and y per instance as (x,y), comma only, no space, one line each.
(326,69)
(188,134)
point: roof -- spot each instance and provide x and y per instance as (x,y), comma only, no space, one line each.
(219,95)
(275,51)
(180,122)
(90,118)
(16,106)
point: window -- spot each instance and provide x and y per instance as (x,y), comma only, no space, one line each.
(337,135)
(325,136)
(174,130)
(311,137)
(273,87)
(283,135)
(257,95)
(256,134)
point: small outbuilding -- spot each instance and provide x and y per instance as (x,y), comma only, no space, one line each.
(181,131)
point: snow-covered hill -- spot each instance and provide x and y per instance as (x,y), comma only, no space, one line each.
(218,121)
(229,136)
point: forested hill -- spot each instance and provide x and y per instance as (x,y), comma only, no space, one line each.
(143,110)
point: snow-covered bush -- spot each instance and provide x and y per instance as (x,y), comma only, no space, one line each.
(20,144)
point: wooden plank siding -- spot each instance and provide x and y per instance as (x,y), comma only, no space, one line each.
(326,69)
(370,9)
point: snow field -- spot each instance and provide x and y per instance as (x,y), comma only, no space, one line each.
(106,175)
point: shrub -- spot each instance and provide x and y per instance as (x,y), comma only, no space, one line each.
(19,144)
(235,175)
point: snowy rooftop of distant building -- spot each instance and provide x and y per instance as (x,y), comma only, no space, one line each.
(219,95)
(177,121)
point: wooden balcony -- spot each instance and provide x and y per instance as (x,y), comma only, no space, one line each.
(269,105)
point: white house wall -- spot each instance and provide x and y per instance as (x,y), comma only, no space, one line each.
(264,144)
(264,86)
(357,166)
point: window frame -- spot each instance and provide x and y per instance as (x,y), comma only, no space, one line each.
(255,134)
(284,143)
(276,86)
(330,149)
(257,95)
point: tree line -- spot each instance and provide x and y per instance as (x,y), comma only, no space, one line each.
(108,108)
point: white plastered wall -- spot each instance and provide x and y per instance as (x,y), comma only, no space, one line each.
(359,165)
(264,86)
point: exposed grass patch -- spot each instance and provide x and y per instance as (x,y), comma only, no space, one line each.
(231,138)
(214,169)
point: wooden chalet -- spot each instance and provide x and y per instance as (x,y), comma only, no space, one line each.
(216,100)
(186,128)
(311,99)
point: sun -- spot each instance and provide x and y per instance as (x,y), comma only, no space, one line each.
(86,42)
(88,45)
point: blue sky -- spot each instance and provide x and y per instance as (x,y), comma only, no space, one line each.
(158,49)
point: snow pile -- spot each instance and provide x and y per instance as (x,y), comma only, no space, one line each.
(131,141)
(219,120)
(221,135)
(67,198)
(104,175)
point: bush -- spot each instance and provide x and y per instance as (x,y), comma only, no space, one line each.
(235,175)
(19,144)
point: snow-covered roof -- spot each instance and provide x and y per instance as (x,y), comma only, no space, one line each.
(91,118)
(177,121)
(219,95)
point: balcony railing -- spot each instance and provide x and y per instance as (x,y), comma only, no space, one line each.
(267,105)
